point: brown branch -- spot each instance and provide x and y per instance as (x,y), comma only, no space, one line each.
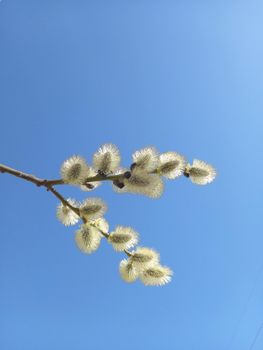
(63,200)
(88,179)
(39,182)
(48,184)
(28,177)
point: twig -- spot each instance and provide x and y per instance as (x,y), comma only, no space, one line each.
(48,184)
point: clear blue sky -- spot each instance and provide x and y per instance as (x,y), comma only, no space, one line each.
(180,75)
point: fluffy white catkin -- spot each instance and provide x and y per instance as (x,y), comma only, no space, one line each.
(74,170)
(123,238)
(107,159)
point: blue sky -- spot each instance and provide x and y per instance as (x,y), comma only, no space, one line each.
(180,75)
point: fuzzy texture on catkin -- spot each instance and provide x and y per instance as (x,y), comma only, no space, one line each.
(67,216)
(88,238)
(102,224)
(140,182)
(146,159)
(74,170)
(143,258)
(92,208)
(123,238)
(90,186)
(107,159)
(171,165)
(127,271)
(156,275)
(200,172)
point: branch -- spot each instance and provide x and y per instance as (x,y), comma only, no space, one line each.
(63,200)
(39,182)
(49,183)
(88,179)
(28,177)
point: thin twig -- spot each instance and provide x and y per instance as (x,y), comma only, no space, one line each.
(63,200)
(88,179)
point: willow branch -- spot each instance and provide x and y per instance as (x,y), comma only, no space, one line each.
(28,177)
(88,179)
(63,200)
(39,182)
(49,183)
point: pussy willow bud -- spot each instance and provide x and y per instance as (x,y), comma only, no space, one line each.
(67,216)
(127,271)
(107,159)
(156,275)
(200,172)
(92,208)
(74,170)
(171,165)
(123,238)
(146,159)
(88,238)
(140,182)
(143,258)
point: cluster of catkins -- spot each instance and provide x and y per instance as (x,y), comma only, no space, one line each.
(145,176)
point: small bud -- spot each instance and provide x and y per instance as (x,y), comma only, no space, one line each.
(133,165)
(127,174)
(118,184)
(186,174)
(89,186)
(102,173)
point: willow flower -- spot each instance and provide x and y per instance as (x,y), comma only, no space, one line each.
(127,271)
(74,170)
(92,208)
(156,275)
(171,165)
(143,258)
(140,182)
(107,159)
(123,238)
(101,224)
(88,238)
(200,172)
(66,215)
(146,159)
(89,186)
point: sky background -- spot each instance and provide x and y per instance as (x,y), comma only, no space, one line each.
(180,75)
